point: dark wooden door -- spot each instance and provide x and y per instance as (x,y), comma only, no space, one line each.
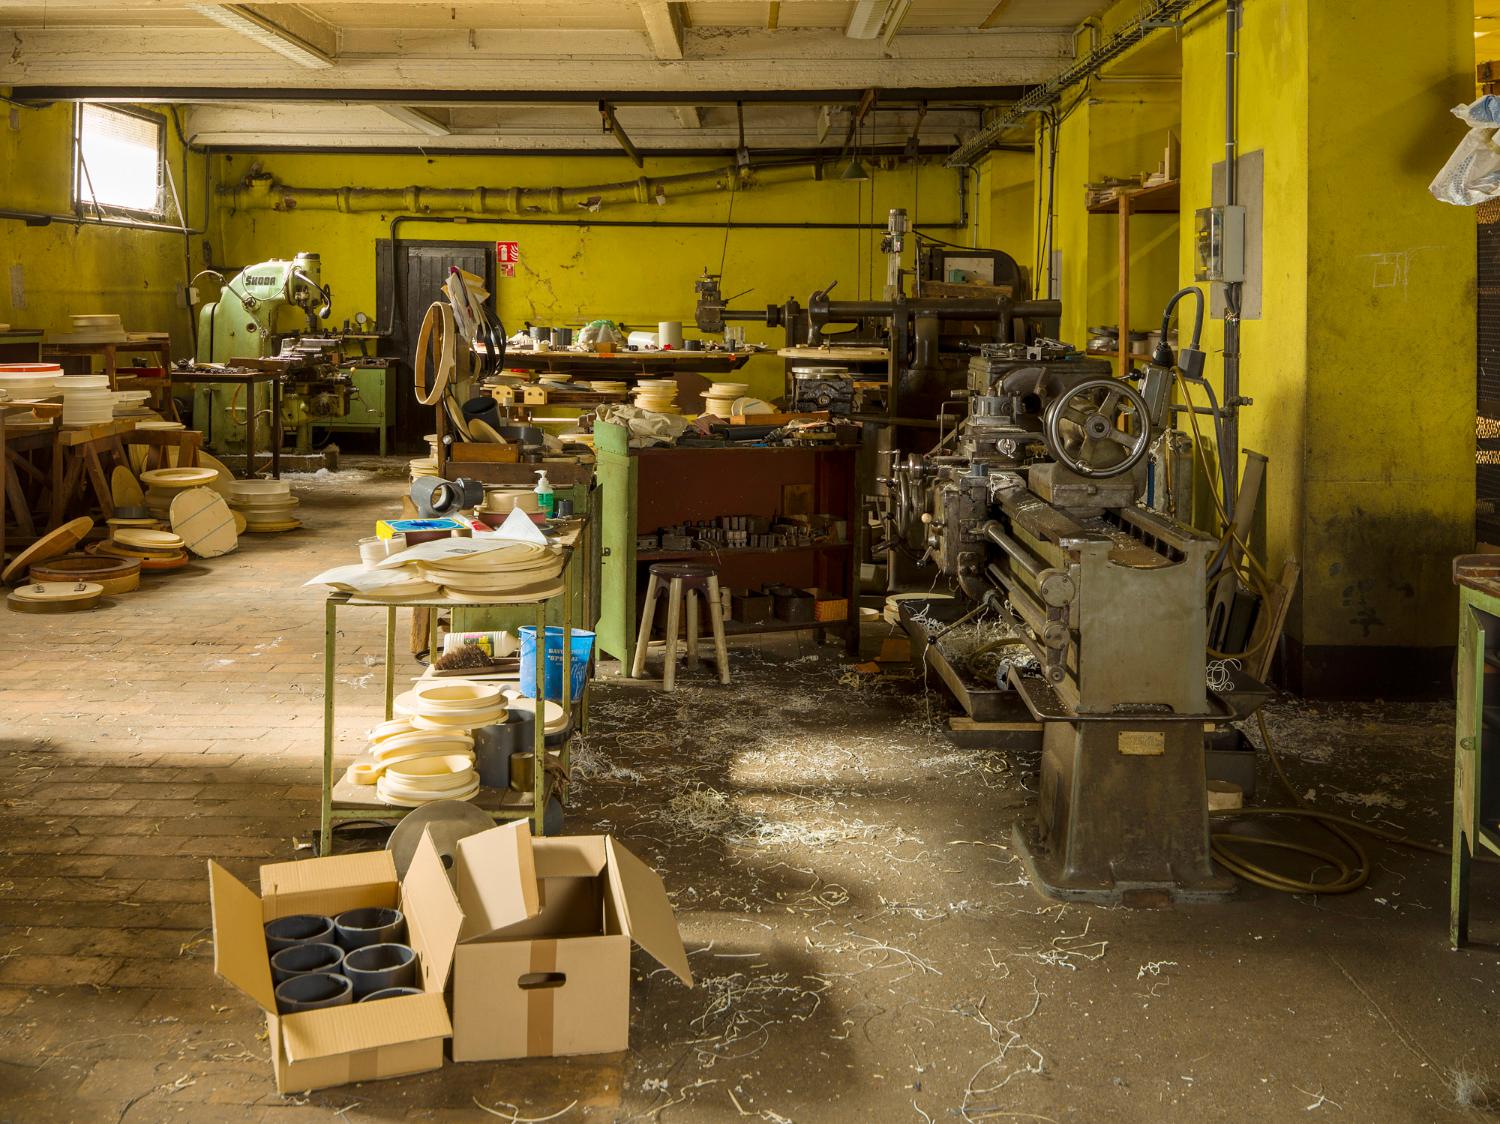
(419,270)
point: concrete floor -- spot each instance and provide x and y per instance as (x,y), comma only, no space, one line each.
(865,945)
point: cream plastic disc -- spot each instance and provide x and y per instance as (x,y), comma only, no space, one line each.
(482,431)
(455,694)
(362,772)
(273,528)
(400,802)
(424,741)
(389,729)
(556,719)
(203,522)
(223,481)
(177,477)
(517,597)
(140,539)
(124,489)
(471,722)
(432,770)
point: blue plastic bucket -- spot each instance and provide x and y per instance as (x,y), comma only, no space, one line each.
(583,649)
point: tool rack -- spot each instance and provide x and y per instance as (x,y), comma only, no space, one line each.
(343,801)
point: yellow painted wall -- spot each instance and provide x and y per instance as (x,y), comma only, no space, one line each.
(1007,207)
(1362,365)
(571,275)
(1114,128)
(67,269)
(1273,119)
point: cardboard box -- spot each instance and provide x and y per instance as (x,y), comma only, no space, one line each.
(362,1041)
(542,966)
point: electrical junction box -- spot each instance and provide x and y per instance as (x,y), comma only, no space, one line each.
(1219,244)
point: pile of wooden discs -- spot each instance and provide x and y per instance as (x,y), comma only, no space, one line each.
(55,580)
(163,485)
(519,571)
(266,505)
(657,395)
(422,759)
(397,744)
(155,550)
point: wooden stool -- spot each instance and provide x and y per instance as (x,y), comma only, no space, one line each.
(676,579)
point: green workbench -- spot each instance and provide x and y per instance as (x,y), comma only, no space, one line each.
(1476,751)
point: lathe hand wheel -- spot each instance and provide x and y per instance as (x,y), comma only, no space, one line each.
(1099,428)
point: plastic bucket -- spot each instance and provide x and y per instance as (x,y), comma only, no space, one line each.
(583,650)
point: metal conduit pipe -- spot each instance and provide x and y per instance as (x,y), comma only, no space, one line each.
(943,309)
(1230,452)
(1023,557)
(263,192)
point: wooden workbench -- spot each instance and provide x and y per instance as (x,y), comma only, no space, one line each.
(628,364)
(136,343)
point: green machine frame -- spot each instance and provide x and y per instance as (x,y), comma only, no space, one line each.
(1476,751)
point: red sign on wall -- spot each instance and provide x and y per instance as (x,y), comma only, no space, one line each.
(507,255)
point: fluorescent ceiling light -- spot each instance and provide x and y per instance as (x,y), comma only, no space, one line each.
(870,17)
(273,37)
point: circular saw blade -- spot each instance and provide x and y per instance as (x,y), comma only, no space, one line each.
(448,820)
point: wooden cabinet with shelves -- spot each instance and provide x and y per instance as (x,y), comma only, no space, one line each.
(643,490)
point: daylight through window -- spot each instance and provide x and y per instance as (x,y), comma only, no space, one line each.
(119,157)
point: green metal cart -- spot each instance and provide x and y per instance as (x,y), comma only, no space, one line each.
(344,802)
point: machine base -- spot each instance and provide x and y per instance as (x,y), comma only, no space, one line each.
(1047,878)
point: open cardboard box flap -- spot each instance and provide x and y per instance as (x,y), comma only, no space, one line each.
(330,885)
(239,938)
(433,916)
(497,884)
(344,1030)
(645,912)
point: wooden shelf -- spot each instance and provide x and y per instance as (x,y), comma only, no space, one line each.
(1158,199)
(735,551)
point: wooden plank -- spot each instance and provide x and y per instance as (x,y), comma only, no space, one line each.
(1274,614)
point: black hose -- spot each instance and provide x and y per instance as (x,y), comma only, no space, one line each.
(1162,355)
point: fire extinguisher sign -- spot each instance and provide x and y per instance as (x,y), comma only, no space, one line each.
(507,257)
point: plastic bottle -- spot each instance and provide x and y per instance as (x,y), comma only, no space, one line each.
(545,497)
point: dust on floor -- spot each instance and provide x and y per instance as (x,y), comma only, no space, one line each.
(865,944)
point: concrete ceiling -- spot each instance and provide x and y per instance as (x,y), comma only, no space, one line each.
(521,74)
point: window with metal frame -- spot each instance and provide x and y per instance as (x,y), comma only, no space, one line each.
(117,161)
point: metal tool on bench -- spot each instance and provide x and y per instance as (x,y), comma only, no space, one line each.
(436,497)
(1034,506)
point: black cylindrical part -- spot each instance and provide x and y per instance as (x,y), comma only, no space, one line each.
(312,992)
(300,959)
(377,967)
(357,928)
(391,993)
(300,928)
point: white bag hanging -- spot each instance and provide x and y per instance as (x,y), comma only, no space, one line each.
(1472,173)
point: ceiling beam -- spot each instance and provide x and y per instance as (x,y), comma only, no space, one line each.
(612,126)
(773,15)
(689,116)
(422,122)
(663,27)
(893,24)
(294,34)
(426,58)
(438,96)
(997,13)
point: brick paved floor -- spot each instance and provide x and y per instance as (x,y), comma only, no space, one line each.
(865,946)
